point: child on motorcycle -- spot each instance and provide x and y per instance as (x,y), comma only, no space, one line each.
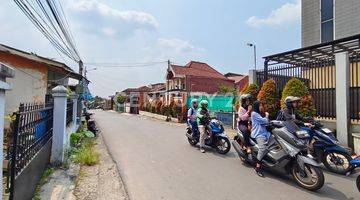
(203,117)
(191,117)
(244,113)
(259,132)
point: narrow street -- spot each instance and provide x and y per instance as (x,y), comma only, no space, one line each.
(156,162)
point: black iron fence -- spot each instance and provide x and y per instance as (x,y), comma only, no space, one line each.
(355,87)
(69,111)
(30,148)
(320,77)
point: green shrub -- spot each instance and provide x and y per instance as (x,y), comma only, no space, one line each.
(252,89)
(295,87)
(75,139)
(120,99)
(270,97)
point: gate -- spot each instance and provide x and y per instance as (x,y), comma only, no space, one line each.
(30,148)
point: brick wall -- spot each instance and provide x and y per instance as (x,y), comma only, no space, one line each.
(205,84)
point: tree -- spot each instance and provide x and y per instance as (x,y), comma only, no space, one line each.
(252,89)
(223,89)
(270,97)
(120,99)
(295,87)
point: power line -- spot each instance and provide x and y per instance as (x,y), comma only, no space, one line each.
(49,18)
(124,65)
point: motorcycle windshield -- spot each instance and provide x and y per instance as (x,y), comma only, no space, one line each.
(291,126)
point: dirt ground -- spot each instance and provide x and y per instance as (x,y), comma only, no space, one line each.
(101,181)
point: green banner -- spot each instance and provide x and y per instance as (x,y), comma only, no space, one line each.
(216,102)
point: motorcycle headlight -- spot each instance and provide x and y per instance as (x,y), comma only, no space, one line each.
(302,134)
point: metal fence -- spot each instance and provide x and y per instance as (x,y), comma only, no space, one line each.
(315,65)
(30,148)
(319,76)
(355,87)
(69,112)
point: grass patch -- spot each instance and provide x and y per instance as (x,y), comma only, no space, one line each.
(43,180)
(86,154)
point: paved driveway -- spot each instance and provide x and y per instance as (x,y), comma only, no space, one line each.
(156,162)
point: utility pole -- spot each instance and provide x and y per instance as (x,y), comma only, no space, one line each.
(167,96)
(81,68)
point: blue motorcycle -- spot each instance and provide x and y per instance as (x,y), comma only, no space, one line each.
(326,148)
(216,137)
(353,165)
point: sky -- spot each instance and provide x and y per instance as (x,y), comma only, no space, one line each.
(141,31)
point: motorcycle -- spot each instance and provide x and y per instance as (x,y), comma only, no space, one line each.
(216,137)
(327,149)
(353,165)
(91,125)
(288,154)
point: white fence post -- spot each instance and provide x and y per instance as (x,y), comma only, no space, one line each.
(252,77)
(74,98)
(5,72)
(342,97)
(59,140)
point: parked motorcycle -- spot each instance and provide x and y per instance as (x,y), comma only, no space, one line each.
(216,137)
(288,154)
(91,126)
(327,149)
(353,165)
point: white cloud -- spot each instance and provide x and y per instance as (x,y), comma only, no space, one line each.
(178,45)
(287,13)
(100,18)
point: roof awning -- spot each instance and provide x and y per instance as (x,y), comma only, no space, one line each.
(317,52)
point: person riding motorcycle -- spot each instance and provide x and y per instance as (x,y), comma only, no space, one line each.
(203,119)
(260,119)
(244,113)
(289,113)
(191,117)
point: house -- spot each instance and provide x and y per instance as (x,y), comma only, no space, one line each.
(240,80)
(157,92)
(35,76)
(194,77)
(326,20)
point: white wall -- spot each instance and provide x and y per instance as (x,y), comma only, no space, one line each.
(28,85)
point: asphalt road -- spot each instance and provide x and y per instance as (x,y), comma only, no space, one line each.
(156,162)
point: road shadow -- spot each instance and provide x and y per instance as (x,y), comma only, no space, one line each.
(327,191)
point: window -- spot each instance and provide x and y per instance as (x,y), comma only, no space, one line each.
(327,20)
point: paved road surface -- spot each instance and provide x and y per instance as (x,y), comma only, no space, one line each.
(156,162)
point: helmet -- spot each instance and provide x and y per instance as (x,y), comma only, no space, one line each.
(245,96)
(203,103)
(194,101)
(290,99)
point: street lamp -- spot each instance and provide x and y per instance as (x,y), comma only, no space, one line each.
(253,45)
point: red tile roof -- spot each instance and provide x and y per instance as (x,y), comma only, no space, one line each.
(194,68)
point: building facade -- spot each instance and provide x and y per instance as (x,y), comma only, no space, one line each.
(326,20)
(35,76)
(194,77)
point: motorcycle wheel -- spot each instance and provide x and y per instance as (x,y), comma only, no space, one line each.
(192,142)
(222,145)
(337,162)
(358,183)
(313,179)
